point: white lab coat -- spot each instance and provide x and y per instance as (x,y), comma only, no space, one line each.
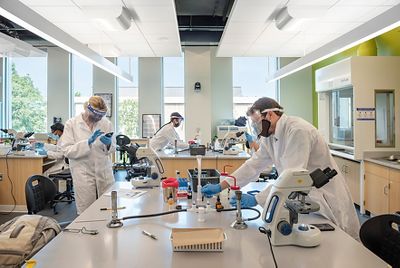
(166,136)
(297,144)
(90,165)
(55,152)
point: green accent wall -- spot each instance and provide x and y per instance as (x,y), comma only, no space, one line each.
(387,44)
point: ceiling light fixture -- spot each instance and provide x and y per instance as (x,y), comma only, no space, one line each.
(33,22)
(382,23)
(109,18)
(284,21)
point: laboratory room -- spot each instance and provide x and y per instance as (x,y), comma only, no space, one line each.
(213,133)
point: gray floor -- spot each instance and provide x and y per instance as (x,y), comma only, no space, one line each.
(67,212)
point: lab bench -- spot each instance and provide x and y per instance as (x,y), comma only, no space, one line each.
(183,161)
(18,168)
(127,246)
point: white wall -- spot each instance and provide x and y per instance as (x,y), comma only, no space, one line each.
(296,92)
(58,97)
(150,88)
(198,104)
(222,90)
(104,82)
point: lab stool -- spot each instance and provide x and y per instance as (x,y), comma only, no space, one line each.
(68,194)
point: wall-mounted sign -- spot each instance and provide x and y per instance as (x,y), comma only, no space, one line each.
(365,114)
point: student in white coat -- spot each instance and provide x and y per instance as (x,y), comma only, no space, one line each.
(167,134)
(54,151)
(88,149)
(291,142)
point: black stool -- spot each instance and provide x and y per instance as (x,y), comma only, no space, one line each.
(68,193)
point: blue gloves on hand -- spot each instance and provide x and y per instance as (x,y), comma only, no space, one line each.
(105,140)
(249,138)
(248,200)
(211,189)
(94,136)
(41,151)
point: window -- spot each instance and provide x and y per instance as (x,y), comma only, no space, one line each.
(27,78)
(128,98)
(250,75)
(81,82)
(174,85)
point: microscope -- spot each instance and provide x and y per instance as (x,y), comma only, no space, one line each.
(20,140)
(153,166)
(286,200)
(229,140)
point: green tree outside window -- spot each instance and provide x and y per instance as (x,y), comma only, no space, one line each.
(128,118)
(28,105)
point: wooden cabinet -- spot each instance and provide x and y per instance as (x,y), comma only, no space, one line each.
(394,190)
(173,164)
(351,173)
(15,172)
(381,189)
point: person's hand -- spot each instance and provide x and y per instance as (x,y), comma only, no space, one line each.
(41,151)
(210,189)
(247,200)
(249,138)
(105,140)
(94,136)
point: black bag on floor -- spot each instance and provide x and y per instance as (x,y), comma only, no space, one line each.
(23,236)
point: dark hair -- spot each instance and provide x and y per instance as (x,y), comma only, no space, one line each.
(57,126)
(265,103)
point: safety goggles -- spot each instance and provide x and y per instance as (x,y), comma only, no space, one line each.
(83,230)
(96,113)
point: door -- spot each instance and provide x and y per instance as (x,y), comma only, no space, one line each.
(394,191)
(376,194)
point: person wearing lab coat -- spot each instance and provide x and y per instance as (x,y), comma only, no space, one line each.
(88,147)
(291,142)
(166,135)
(54,151)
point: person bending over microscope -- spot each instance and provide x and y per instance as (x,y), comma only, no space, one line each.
(167,134)
(291,142)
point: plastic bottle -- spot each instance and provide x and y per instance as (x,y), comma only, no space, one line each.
(225,193)
(170,202)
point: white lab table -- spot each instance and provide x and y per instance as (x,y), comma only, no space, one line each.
(128,247)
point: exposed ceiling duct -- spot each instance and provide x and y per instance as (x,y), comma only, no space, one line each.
(202,22)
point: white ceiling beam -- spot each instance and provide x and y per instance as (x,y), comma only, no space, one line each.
(33,22)
(385,22)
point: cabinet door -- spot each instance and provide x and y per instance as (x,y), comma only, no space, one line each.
(376,194)
(394,191)
(341,164)
(353,180)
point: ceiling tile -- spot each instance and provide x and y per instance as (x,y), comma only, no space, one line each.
(77,27)
(97,2)
(91,38)
(330,27)
(361,2)
(61,14)
(346,13)
(154,14)
(313,2)
(158,27)
(33,3)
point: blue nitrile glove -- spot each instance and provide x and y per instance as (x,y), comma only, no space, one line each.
(41,151)
(94,136)
(248,200)
(105,140)
(249,138)
(211,189)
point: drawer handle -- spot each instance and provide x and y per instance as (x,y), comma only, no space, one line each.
(385,189)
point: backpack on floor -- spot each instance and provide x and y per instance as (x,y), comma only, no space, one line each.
(23,236)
